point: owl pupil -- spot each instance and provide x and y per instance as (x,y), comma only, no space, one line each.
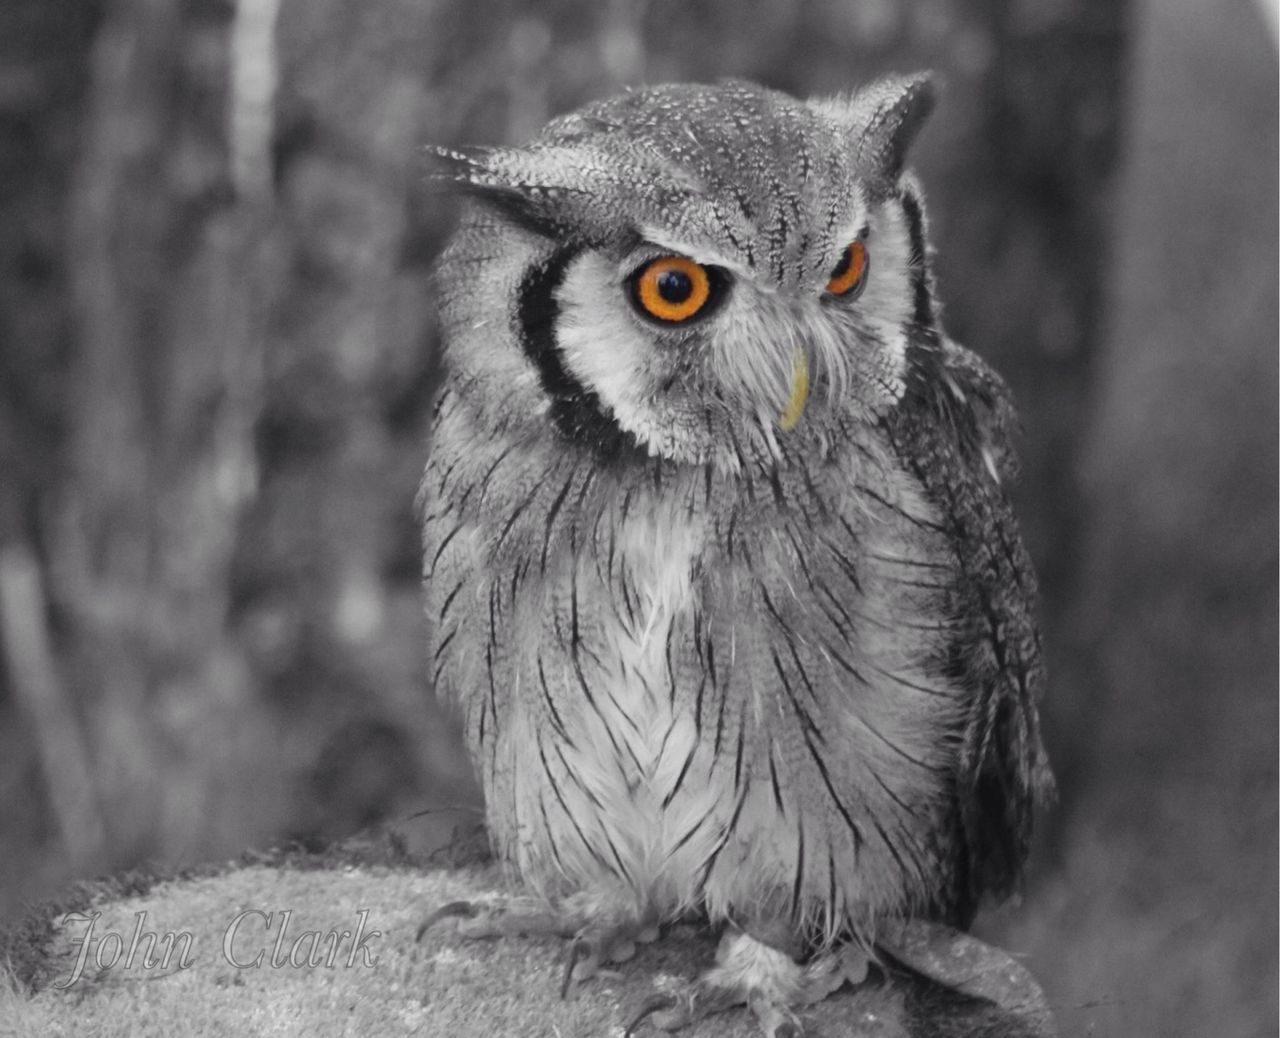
(675,286)
(842,268)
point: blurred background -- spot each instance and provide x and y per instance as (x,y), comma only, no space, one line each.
(216,363)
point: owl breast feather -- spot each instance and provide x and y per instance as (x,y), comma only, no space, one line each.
(691,691)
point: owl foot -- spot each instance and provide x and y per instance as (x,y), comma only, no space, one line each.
(767,981)
(595,944)
(481,921)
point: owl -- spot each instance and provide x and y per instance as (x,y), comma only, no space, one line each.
(720,566)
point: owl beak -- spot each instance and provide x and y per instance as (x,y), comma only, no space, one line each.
(790,417)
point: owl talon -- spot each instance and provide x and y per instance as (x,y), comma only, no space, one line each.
(581,952)
(767,981)
(675,1012)
(487,921)
(593,948)
(654,1005)
(453,910)
(828,973)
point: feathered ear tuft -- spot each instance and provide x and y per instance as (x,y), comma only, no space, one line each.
(885,115)
(557,191)
(898,107)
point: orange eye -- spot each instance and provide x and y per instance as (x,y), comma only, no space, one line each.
(851,272)
(671,288)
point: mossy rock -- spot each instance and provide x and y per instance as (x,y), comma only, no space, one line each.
(345,960)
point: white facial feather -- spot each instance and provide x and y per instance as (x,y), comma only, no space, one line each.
(855,351)
(629,803)
(608,350)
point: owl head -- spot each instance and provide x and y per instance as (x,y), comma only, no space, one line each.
(706,274)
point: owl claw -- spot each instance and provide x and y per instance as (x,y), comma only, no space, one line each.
(454,909)
(486,921)
(766,981)
(580,951)
(654,1005)
(592,948)
(675,1012)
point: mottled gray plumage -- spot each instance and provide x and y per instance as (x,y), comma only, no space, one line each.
(708,661)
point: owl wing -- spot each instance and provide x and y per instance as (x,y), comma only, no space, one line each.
(953,431)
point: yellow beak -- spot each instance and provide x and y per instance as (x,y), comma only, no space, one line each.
(799,393)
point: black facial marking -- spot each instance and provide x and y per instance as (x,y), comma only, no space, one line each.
(576,411)
(923,313)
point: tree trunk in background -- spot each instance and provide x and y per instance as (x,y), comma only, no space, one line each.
(1161,919)
(44,46)
(172,270)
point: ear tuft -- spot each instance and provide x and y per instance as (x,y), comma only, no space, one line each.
(535,187)
(902,106)
(885,116)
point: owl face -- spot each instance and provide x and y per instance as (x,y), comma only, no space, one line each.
(702,273)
